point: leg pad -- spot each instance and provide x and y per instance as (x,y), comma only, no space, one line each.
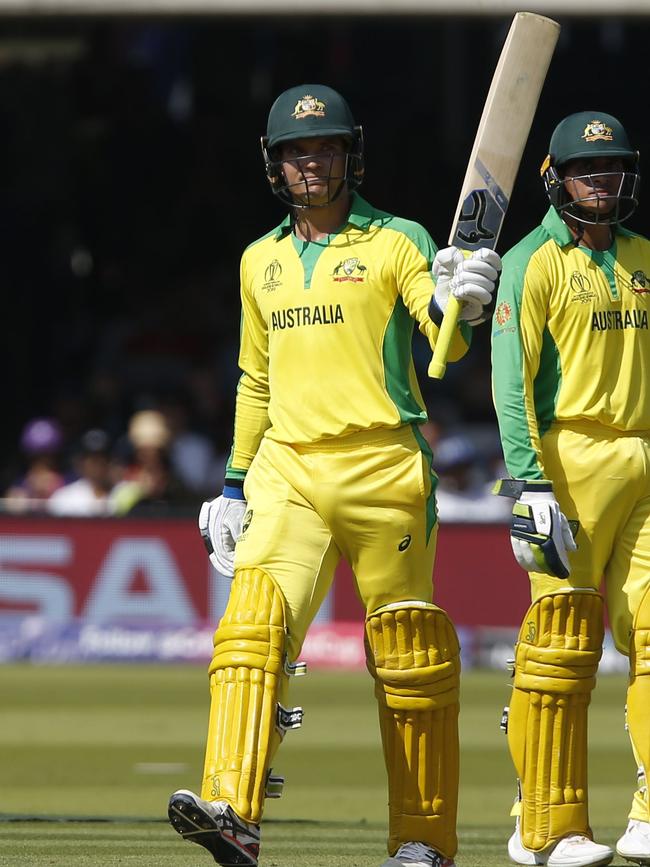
(638,706)
(247,680)
(556,659)
(412,653)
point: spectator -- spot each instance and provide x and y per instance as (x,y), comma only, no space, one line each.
(149,484)
(89,495)
(41,444)
(464,493)
(193,455)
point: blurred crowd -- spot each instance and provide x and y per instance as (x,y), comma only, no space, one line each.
(160,467)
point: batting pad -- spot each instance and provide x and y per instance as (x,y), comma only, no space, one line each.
(638,705)
(247,679)
(412,653)
(556,659)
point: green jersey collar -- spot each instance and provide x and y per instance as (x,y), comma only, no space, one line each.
(361,215)
(560,232)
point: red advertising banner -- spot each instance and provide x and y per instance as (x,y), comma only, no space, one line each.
(120,571)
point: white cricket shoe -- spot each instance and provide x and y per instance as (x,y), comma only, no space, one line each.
(230,840)
(575,850)
(417,855)
(634,845)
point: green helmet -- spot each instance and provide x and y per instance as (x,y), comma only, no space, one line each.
(586,135)
(311,111)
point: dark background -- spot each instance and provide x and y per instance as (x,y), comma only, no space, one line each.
(132,180)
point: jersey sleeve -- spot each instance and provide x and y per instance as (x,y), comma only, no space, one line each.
(416,285)
(518,334)
(252,401)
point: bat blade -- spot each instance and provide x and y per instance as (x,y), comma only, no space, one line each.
(498,147)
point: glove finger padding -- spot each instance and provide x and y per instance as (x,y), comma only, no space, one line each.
(474,283)
(442,271)
(489,256)
(445,261)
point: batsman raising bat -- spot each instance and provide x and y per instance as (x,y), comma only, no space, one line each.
(571,360)
(327,462)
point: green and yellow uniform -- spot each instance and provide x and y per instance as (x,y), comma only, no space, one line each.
(326,332)
(328,447)
(571,383)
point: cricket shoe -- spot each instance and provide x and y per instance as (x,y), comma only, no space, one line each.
(231,841)
(417,855)
(634,845)
(575,850)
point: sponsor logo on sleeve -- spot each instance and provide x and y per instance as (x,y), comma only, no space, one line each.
(503,316)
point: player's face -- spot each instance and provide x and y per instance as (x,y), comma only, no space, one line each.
(314,168)
(595,183)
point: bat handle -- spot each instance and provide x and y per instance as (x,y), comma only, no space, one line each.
(438,363)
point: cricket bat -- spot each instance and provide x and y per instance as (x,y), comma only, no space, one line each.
(499,144)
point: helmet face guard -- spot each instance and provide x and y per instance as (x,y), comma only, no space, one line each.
(296,194)
(611,209)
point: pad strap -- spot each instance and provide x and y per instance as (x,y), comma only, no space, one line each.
(413,654)
(556,659)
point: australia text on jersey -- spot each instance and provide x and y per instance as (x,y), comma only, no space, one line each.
(295,317)
(615,320)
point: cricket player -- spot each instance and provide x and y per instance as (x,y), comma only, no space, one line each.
(327,462)
(571,382)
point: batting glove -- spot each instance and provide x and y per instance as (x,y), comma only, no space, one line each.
(220,525)
(471,280)
(540,533)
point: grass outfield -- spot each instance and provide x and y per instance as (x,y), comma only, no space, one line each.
(109,743)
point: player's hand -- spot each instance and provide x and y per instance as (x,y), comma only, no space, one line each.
(220,525)
(471,280)
(540,533)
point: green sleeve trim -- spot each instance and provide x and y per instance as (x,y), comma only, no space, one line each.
(399,370)
(546,388)
(431,511)
(508,384)
(416,233)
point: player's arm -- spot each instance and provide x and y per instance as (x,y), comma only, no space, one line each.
(540,534)
(220,520)
(518,328)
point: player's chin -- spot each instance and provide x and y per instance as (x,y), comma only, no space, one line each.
(314,196)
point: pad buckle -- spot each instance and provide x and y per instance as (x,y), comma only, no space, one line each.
(503,725)
(294,669)
(274,785)
(289,718)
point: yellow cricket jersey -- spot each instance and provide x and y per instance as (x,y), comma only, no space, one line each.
(570,340)
(326,332)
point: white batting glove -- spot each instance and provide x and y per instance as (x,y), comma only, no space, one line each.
(471,280)
(220,525)
(540,534)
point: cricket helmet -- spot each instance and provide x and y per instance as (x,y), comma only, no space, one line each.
(311,111)
(586,135)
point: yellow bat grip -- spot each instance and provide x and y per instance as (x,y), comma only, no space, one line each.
(438,363)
